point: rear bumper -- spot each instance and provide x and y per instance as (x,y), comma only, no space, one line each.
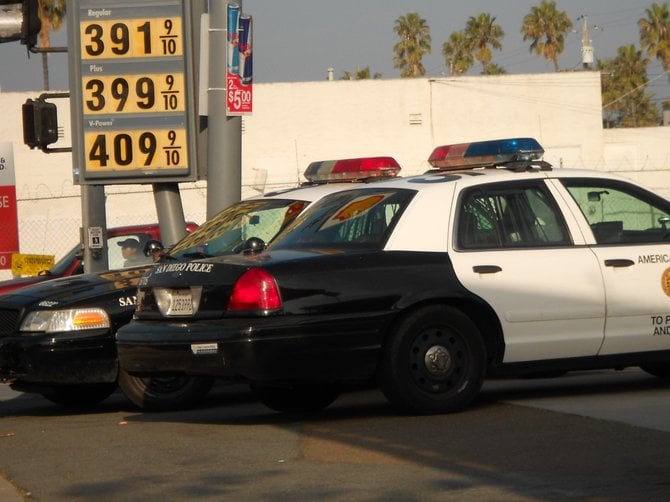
(270,350)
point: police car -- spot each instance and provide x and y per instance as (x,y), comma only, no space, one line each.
(493,263)
(57,338)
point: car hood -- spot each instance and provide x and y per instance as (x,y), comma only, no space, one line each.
(22,282)
(83,289)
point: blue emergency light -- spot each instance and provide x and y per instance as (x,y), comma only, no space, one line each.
(485,153)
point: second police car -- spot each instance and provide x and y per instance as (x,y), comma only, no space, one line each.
(494,263)
(57,338)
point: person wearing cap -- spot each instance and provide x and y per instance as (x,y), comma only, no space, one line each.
(132,254)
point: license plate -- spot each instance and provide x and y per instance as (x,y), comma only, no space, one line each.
(181,302)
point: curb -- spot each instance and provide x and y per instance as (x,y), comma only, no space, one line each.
(9,492)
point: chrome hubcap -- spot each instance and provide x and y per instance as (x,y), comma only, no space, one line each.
(437,360)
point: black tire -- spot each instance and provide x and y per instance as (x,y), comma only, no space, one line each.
(302,398)
(80,396)
(433,362)
(164,393)
(661,370)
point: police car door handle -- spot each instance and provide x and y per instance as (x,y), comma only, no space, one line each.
(619,263)
(486,269)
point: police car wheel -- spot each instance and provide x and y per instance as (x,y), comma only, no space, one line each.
(80,396)
(299,398)
(164,392)
(661,370)
(433,362)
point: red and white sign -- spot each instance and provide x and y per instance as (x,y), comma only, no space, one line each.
(239,63)
(239,98)
(9,222)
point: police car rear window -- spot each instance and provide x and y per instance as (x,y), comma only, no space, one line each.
(361,219)
(509,216)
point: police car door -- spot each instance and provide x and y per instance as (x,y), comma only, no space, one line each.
(631,230)
(514,248)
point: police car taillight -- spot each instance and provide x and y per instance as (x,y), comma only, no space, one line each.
(485,153)
(256,289)
(351,169)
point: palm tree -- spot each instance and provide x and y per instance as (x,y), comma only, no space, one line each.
(655,33)
(546,27)
(457,53)
(415,42)
(494,69)
(51,14)
(482,33)
(360,74)
(625,100)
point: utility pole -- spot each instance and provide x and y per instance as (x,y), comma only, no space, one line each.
(587,48)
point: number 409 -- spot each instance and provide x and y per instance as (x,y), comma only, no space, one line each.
(124,152)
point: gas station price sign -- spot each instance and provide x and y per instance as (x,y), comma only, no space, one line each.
(133,92)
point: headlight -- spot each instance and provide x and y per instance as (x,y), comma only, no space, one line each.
(56,321)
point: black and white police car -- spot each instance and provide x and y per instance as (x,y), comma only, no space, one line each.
(493,263)
(57,338)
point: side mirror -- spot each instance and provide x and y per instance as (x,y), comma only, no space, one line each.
(595,196)
(253,245)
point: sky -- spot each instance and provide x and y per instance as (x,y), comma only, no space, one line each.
(298,40)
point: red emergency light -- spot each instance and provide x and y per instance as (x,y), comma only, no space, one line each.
(328,171)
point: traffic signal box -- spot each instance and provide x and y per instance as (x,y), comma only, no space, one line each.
(40,123)
(19,20)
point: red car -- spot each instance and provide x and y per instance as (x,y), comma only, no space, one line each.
(72,262)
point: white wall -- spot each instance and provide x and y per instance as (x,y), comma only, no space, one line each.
(294,124)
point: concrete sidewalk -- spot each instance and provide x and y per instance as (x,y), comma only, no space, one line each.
(8,492)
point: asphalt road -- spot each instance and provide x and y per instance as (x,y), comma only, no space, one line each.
(597,436)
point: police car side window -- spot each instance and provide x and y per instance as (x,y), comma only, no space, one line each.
(620,213)
(510,216)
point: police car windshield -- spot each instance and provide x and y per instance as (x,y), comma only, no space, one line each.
(352,219)
(226,232)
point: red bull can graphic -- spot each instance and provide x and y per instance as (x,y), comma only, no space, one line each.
(244,49)
(239,95)
(233,60)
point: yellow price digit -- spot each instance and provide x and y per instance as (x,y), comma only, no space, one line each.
(136,150)
(131,38)
(134,93)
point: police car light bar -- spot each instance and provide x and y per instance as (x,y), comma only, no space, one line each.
(485,153)
(351,169)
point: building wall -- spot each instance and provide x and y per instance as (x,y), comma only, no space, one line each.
(294,124)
